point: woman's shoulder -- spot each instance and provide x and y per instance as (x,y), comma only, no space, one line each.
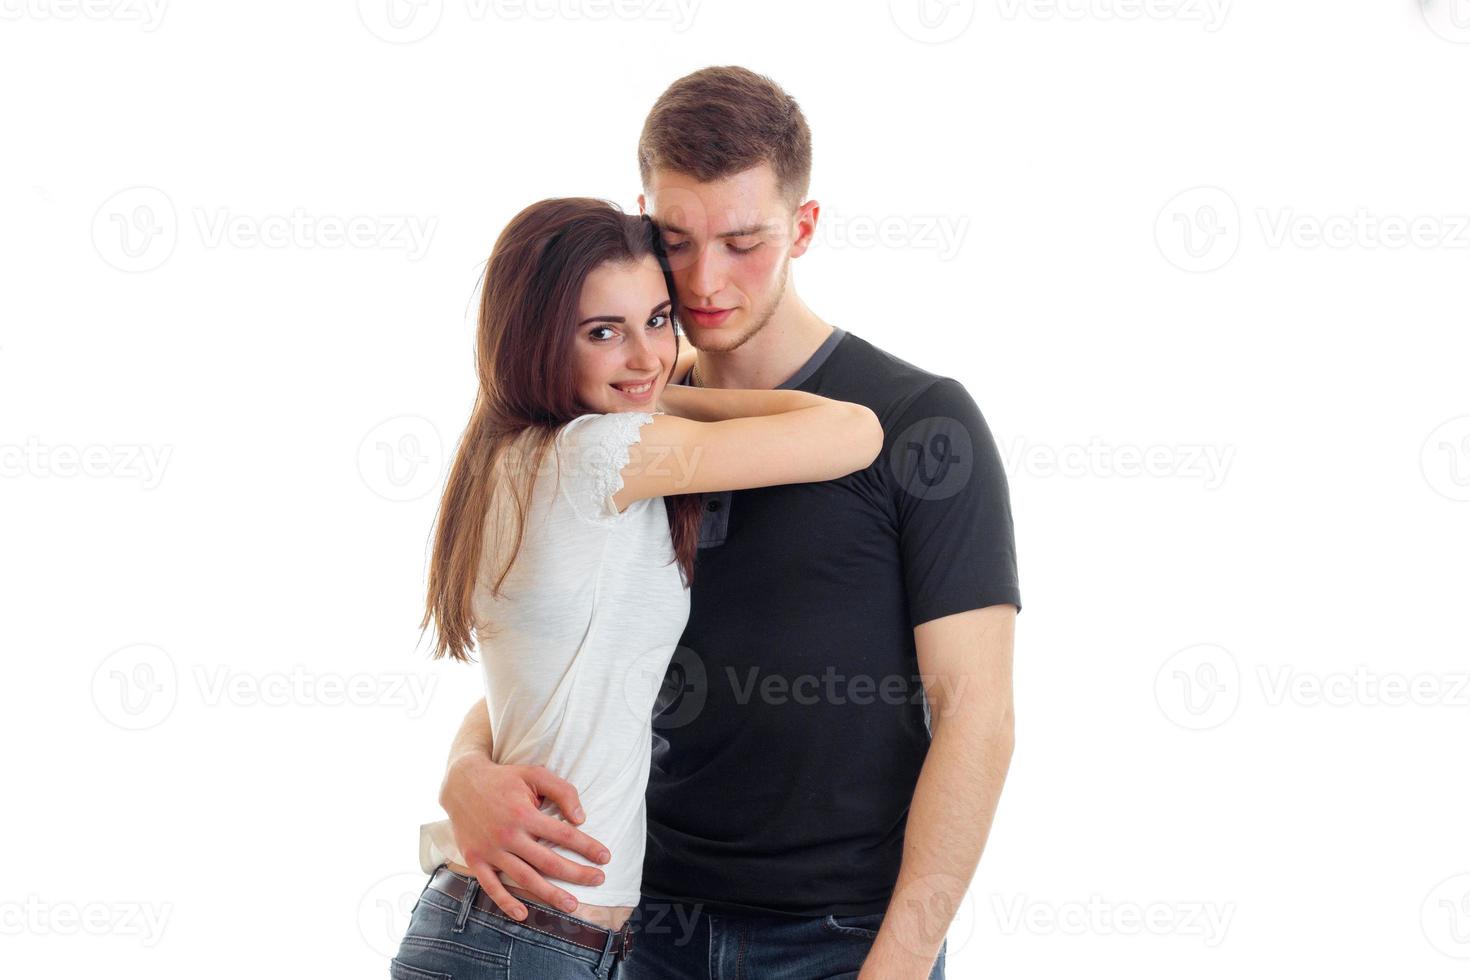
(593,449)
(602,427)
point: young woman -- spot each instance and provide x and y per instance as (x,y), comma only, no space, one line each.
(565,548)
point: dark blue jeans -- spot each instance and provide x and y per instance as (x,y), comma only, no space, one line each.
(673,941)
(453,940)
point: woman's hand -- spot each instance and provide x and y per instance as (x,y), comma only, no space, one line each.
(495,814)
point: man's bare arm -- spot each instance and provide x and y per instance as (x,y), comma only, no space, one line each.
(494,811)
(965,661)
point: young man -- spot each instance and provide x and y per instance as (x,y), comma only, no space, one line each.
(838,725)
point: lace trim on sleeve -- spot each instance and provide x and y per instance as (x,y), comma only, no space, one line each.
(599,457)
(609,479)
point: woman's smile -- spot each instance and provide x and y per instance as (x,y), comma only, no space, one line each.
(636,391)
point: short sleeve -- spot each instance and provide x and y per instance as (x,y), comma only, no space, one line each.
(952,504)
(593,449)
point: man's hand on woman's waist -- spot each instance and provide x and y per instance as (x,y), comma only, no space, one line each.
(498,825)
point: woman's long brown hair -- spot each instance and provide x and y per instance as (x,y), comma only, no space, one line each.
(527,386)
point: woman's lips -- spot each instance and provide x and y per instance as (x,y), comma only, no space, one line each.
(640,391)
(709,317)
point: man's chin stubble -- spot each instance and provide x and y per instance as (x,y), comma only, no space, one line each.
(765,318)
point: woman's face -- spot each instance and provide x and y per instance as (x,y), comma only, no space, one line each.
(625,344)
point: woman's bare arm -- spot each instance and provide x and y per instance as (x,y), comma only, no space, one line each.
(717,439)
(721,404)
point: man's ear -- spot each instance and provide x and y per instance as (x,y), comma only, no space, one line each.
(642,206)
(806,227)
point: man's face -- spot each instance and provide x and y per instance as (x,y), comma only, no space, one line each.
(730,243)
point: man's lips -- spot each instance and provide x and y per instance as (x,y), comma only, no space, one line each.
(708,317)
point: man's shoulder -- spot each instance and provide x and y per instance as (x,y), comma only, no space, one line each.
(889,385)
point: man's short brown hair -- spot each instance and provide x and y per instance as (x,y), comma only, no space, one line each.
(718,122)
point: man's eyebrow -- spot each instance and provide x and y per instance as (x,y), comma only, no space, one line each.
(736,233)
(609,318)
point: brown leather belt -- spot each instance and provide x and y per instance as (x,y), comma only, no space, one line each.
(557,924)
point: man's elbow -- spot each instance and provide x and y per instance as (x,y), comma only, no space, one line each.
(998,734)
(991,726)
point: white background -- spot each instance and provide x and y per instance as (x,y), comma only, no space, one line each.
(1160,233)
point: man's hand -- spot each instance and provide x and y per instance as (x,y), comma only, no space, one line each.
(494,813)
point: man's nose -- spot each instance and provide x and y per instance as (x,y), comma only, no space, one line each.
(704,277)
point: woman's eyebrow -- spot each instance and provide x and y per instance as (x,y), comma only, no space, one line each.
(609,318)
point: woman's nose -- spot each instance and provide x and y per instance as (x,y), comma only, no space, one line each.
(642,355)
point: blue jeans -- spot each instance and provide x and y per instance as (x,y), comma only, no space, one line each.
(452,940)
(675,941)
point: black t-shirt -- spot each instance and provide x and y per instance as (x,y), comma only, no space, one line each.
(792,725)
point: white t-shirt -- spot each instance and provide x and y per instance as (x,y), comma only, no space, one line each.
(575,650)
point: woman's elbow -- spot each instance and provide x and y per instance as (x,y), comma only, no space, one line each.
(872,435)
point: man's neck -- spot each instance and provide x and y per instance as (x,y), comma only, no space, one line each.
(775,353)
